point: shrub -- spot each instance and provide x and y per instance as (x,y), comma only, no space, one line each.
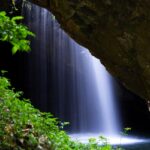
(24,127)
(14,33)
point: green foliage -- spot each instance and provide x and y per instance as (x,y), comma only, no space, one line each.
(21,125)
(123,133)
(14,33)
(14,5)
(126,130)
(24,127)
(94,144)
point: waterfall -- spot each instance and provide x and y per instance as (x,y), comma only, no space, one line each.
(106,97)
(64,78)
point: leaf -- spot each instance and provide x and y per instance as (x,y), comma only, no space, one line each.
(14,33)
(15,49)
(127,129)
(2,13)
(17,18)
(3,72)
(4,38)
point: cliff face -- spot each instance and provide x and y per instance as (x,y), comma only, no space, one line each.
(116,31)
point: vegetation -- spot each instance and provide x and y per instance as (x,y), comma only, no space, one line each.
(14,33)
(24,127)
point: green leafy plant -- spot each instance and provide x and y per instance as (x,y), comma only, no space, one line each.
(99,144)
(14,5)
(24,127)
(14,33)
(123,133)
(21,125)
(126,130)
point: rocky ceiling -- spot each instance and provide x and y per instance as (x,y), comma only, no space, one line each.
(116,31)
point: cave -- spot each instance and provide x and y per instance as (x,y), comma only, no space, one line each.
(88,65)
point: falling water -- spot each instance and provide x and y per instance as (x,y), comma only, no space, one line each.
(64,78)
(106,97)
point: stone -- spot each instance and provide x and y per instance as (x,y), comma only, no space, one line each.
(115,31)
